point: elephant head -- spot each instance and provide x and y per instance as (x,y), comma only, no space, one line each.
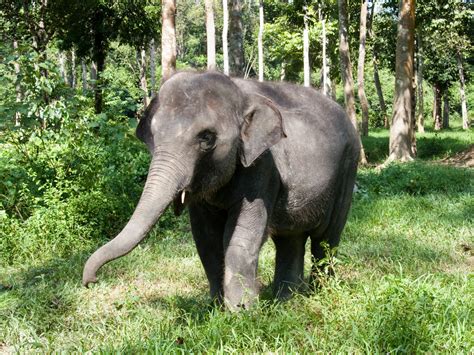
(198,129)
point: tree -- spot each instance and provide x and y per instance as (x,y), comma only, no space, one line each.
(260,40)
(346,70)
(152,66)
(462,91)
(360,68)
(419,85)
(402,127)
(168,39)
(84,75)
(18,91)
(141,60)
(236,45)
(325,75)
(211,35)
(306,70)
(225,34)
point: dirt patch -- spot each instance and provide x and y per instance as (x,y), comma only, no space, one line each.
(464,159)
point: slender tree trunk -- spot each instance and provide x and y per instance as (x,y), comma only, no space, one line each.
(98,102)
(446,108)
(84,76)
(19,94)
(260,41)
(437,106)
(325,76)
(364,104)
(306,70)
(211,35)
(283,71)
(72,70)
(93,74)
(98,56)
(402,144)
(346,70)
(225,34)
(378,88)
(168,39)
(141,59)
(62,66)
(236,50)
(462,90)
(153,67)
(419,86)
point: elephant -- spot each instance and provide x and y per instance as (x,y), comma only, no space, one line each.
(249,160)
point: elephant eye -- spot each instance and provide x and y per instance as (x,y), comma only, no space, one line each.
(207,140)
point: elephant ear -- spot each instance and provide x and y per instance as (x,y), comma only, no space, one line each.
(262,128)
(143,131)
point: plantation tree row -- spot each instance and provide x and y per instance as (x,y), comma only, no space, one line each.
(48,44)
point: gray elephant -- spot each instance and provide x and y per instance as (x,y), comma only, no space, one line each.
(248,159)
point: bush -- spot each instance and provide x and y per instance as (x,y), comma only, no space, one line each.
(66,190)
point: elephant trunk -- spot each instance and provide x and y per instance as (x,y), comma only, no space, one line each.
(165,180)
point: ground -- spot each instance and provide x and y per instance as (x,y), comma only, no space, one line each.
(403,283)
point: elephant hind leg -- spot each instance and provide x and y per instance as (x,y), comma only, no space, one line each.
(289,264)
(323,243)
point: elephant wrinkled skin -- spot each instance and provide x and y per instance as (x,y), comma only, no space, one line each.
(248,159)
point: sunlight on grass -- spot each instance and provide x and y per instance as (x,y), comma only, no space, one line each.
(403,283)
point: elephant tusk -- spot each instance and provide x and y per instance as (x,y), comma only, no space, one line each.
(183,195)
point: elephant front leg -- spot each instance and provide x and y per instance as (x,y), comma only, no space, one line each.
(208,225)
(244,235)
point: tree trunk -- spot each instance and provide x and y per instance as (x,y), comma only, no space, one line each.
(168,39)
(364,104)
(283,71)
(72,70)
(98,56)
(98,100)
(346,70)
(402,144)
(462,90)
(419,86)
(84,76)
(93,73)
(153,67)
(306,70)
(211,35)
(62,66)
(437,106)
(141,59)
(236,50)
(325,76)
(378,88)
(19,94)
(260,41)
(446,108)
(225,33)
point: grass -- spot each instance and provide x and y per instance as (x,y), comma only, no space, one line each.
(404,281)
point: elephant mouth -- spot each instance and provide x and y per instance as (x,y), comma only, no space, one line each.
(180,202)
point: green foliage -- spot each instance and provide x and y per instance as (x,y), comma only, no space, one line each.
(62,190)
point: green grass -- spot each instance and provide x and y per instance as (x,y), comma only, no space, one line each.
(404,281)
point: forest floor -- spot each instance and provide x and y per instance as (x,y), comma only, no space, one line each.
(464,159)
(403,283)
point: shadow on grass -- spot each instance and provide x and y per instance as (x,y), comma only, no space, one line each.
(45,297)
(416,179)
(431,145)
